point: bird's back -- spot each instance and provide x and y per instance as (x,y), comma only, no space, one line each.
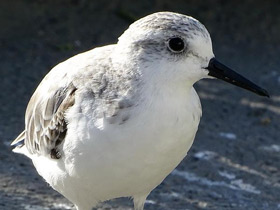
(45,123)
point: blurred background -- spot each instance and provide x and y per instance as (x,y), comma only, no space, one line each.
(235,160)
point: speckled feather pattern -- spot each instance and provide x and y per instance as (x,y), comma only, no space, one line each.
(45,116)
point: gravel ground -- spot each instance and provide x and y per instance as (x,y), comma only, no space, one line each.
(234,162)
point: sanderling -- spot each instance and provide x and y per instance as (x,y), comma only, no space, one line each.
(116,120)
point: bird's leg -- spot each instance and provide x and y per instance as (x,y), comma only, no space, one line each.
(139,201)
(86,207)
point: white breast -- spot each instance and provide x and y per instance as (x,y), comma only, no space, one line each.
(128,159)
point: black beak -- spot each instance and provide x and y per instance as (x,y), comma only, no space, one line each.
(220,71)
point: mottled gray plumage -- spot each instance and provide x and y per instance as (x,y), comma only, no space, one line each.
(166,23)
(46,125)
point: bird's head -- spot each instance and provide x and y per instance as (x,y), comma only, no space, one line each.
(177,49)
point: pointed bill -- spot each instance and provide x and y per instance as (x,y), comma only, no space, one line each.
(220,71)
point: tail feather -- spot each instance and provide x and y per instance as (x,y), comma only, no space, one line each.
(19,140)
(18,145)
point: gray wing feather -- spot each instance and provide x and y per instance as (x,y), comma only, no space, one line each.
(45,123)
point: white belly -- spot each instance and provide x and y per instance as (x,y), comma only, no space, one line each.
(124,160)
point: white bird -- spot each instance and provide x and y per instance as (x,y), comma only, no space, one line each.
(116,120)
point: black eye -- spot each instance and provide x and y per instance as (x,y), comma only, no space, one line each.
(176,44)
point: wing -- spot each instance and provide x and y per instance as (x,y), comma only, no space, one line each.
(45,124)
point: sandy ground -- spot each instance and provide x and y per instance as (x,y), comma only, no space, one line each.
(235,160)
